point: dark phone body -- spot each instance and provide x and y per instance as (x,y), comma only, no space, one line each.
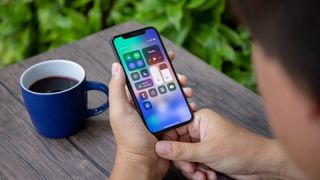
(137,33)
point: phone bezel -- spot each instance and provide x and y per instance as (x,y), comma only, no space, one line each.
(139,32)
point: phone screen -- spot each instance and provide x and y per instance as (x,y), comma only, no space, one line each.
(152,80)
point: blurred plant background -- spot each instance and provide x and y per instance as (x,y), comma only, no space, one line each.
(204,27)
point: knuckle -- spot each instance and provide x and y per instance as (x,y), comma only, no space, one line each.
(178,150)
(205,110)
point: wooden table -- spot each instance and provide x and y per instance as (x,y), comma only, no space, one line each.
(90,154)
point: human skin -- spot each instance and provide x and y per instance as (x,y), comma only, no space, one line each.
(212,143)
(294,113)
(294,118)
(135,155)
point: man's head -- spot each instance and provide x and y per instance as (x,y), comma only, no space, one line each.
(286,55)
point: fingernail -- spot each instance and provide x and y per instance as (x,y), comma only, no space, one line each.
(114,68)
(163,148)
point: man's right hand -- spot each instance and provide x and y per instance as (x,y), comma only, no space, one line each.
(211,143)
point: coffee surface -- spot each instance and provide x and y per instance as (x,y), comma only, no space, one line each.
(52,84)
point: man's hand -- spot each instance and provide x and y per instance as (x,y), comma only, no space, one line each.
(135,155)
(211,143)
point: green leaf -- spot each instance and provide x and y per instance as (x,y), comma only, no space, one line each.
(78,21)
(45,15)
(61,2)
(26,1)
(208,5)
(175,12)
(216,61)
(218,10)
(150,7)
(80,3)
(231,35)
(8,28)
(204,27)
(25,40)
(195,4)
(61,22)
(94,17)
(15,12)
(160,23)
(180,36)
(227,52)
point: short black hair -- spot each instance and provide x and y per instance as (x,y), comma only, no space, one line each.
(290,31)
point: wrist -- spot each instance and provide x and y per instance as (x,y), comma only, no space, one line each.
(128,165)
(275,162)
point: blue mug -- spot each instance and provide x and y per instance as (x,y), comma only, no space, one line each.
(59,114)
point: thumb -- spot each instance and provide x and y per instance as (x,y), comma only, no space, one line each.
(174,150)
(117,93)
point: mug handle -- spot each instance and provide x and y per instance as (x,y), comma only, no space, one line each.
(91,85)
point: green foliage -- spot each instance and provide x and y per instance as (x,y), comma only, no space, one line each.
(204,27)
(28,27)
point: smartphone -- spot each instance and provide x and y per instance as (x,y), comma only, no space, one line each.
(151,80)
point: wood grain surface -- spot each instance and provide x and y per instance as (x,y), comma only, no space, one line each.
(90,154)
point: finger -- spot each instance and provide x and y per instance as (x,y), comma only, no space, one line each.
(172,55)
(185,166)
(198,175)
(117,93)
(193,106)
(182,130)
(170,136)
(129,97)
(184,138)
(187,175)
(210,174)
(193,128)
(188,92)
(174,150)
(182,79)
(195,125)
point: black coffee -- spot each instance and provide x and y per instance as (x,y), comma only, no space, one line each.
(52,84)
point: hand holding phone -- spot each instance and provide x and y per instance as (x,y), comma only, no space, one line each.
(132,138)
(152,80)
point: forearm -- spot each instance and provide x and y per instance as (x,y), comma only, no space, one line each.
(275,162)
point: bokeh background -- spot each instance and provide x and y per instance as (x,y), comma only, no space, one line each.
(205,28)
